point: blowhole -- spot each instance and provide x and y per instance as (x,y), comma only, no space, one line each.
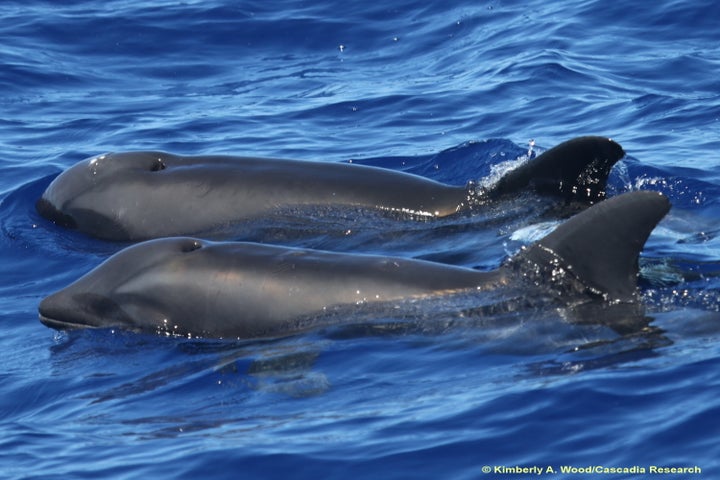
(191,246)
(158,165)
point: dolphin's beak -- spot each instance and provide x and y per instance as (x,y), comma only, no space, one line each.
(54,313)
(50,211)
(65,310)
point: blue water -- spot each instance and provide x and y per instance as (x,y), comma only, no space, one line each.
(444,89)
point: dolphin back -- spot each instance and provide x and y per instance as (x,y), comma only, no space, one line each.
(598,249)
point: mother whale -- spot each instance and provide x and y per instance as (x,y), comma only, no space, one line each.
(141,195)
(187,286)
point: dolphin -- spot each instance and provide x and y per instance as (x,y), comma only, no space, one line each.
(136,196)
(191,287)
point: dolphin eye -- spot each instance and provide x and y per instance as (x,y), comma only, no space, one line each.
(190,246)
(158,165)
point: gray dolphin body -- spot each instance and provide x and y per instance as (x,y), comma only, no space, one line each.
(193,287)
(142,195)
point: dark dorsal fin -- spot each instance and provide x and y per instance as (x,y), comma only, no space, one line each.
(599,247)
(575,170)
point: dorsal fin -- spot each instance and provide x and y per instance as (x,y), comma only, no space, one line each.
(599,247)
(575,170)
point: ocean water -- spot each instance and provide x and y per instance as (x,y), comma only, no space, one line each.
(448,90)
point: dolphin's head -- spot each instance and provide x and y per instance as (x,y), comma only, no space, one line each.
(86,196)
(134,289)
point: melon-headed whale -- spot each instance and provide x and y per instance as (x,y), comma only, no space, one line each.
(187,286)
(137,196)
